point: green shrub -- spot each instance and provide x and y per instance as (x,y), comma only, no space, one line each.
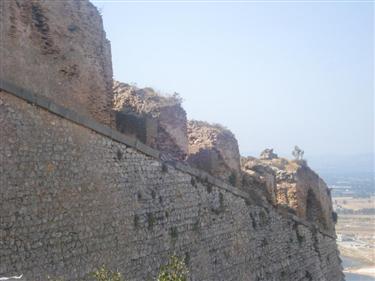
(104,274)
(174,270)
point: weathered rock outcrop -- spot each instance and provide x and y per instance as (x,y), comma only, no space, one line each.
(214,149)
(61,52)
(291,184)
(157,120)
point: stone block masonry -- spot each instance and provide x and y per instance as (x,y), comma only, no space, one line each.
(73,199)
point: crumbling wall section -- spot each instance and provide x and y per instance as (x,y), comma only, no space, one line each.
(214,149)
(315,200)
(291,184)
(163,123)
(261,177)
(59,50)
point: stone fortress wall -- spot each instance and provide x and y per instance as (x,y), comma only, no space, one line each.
(76,194)
(58,49)
(73,199)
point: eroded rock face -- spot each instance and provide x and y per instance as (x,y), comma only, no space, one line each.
(58,49)
(291,184)
(215,150)
(260,176)
(156,120)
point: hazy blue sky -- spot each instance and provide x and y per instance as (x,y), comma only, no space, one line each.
(276,74)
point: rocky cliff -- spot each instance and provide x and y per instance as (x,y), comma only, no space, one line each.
(77,194)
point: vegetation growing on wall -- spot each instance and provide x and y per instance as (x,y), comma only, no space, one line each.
(104,274)
(174,270)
